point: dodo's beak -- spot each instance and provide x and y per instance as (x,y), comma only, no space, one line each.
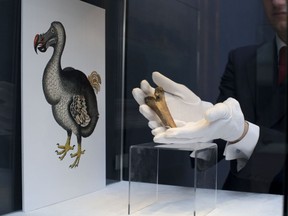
(36,42)
(39,43)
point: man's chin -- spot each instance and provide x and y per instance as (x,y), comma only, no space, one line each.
(281,27)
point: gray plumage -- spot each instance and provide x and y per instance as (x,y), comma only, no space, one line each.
(68,91)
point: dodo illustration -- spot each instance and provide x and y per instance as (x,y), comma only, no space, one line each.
(69,92)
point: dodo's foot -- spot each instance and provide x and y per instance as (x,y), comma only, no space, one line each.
(77,155)
(65,148)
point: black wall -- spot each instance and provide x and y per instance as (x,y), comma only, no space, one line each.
(10,107)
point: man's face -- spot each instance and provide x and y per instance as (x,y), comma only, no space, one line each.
(276,11)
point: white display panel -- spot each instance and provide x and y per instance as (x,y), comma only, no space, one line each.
(46,178)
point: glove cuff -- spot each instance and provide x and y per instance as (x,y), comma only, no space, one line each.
(246,128)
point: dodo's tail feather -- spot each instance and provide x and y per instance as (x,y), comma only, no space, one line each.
(95,81)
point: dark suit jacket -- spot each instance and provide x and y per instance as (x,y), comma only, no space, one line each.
(251,78)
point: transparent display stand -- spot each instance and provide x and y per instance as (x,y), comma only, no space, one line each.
(148,195)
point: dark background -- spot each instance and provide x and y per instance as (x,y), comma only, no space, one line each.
(187,40)
(10,106)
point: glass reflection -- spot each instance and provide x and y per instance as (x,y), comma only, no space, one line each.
(255,155)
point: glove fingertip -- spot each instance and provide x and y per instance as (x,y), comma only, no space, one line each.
(138,95)
(158,130)
(146,87)
(156,139)
(175,88)
(145,109)
(148,113)
(153,124)
(156,73)
(161,80)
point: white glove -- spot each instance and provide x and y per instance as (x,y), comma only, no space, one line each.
(222,121)
(183,104)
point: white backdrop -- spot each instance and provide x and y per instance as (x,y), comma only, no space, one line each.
(46,179)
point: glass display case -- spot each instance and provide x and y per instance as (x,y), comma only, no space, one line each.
(198,198)
(217,49)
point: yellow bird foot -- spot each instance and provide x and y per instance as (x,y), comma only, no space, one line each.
(77,155)
(65,148)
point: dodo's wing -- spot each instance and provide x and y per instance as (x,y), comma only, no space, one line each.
(78,110)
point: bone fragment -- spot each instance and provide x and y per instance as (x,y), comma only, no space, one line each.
(158,104)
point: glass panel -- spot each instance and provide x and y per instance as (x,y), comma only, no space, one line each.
(114,12)
(157,40)
(205,178)
(114,90)
(149,197)
(115,24)
(143,177)
(233,53)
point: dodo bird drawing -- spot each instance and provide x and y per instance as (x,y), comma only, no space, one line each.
(71,94)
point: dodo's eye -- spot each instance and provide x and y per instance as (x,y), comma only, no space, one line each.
(52,31)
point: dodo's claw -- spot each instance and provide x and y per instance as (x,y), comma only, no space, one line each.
(77,155)
(65,148)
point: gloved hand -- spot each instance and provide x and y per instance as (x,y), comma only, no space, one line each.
(222,121)
(183,104)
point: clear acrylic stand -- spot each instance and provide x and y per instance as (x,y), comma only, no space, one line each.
(147,195)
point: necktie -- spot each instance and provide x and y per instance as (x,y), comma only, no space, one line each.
(282,64)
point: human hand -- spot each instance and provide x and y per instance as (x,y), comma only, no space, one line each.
(183,103)
(222,121)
